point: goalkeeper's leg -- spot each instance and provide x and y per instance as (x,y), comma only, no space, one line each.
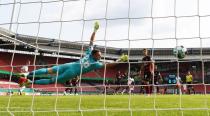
(44,71)
(60,78)
(36,72)
(41,71)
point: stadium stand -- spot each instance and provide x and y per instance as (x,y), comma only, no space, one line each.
(25,49)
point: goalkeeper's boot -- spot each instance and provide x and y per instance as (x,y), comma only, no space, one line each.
(22,74)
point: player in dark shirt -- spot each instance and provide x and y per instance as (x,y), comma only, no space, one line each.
(157,79)
(72,84)
(147,71)
(119,78)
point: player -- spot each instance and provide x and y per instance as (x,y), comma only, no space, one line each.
(23,81)
(118,82)
(130,87)
(72,84)
(157,79)
(24,69)
(178,85)
(68,86)
(147,71)
(189,80)
(107,86)
(68,71)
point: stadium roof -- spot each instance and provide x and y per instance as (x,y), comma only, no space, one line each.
(13,42)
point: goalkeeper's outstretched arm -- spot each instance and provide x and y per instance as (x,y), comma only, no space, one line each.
(123,58)
(96,27)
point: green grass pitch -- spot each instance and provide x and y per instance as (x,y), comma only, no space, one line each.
(113,105)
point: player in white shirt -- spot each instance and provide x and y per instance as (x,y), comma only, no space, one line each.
(130,87)
(23,80)
(179,85)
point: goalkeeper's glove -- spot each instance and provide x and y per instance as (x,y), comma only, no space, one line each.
(96,26)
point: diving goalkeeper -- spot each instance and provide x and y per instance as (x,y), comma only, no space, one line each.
(70,70)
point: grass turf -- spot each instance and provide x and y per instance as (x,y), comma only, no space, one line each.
(113,105)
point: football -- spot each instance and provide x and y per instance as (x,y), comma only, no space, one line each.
(180,52)
(123,58)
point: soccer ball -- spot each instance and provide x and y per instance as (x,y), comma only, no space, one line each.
(180,52)
(124,58)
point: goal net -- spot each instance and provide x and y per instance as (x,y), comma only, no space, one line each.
(36,34)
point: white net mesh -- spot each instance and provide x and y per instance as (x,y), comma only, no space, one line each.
(53,32)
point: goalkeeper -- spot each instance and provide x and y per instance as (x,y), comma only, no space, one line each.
(68,71)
